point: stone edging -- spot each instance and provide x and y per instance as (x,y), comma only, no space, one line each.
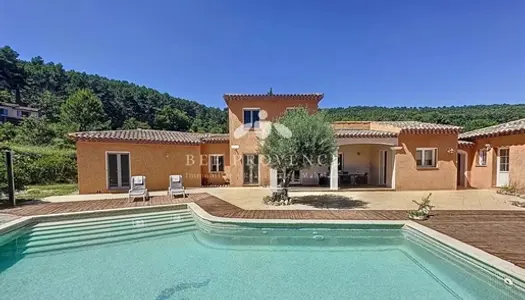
(457,245)
(197,211)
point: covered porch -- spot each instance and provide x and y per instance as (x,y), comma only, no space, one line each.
(359,163)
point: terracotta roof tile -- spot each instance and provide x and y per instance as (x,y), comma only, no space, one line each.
(148,135)
(416,126)
(513,127)
(465,144)
(265,97)
(363,133)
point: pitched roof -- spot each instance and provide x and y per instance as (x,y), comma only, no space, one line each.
(513,127)
(363,133)
(465,144)
(148,135)
(16,106)
(265,97)
(416,126)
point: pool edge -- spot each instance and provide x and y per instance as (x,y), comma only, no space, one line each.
(487,258)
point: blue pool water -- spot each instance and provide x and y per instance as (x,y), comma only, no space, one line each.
(167,255)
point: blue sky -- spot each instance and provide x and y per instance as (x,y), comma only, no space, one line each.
(369,52)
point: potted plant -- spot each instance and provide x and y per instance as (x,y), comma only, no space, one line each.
(423,210)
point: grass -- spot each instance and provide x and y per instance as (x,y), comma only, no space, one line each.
(38,192)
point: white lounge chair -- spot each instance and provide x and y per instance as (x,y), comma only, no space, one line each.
(176,187)
(138,188)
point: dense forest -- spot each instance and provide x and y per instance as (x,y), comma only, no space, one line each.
(71,100)
(47,86)
(470,117)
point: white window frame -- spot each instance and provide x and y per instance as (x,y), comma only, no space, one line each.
(6,111)
(119,170)
(482,162)
(434,158)
(214,161)
(253,124)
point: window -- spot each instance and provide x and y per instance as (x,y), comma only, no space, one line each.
(340,162)
(118,167)
(216,163)
(251,118)
(3,112)
(22,114)
(426,157)
(504,160)
(482,157)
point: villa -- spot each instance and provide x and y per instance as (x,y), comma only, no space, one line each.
(397,155)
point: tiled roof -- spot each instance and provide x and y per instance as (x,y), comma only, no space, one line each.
(513,127)
(215,138)
(151,136)
(265,97)
(16,106)
(363,133)
(465,144)
(416,126)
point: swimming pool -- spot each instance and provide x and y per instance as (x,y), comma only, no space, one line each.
(176,255)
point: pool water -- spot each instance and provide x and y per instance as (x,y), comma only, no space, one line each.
(167,255)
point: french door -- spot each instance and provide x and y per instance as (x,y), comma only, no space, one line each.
(502,178)
(118,170)
(251,168)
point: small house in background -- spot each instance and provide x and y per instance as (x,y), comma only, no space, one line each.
(14,113)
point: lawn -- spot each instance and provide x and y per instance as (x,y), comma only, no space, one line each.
(38,192)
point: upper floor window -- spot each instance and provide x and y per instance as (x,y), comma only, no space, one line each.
(251,117)
(3,112)
(23,114)
(482,157)
(426,157)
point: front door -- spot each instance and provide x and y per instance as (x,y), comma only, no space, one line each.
(502,178)
(382,167)
(251,168)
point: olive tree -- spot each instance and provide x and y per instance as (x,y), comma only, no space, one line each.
(296,141)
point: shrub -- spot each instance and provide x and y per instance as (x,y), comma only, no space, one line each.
(39,165)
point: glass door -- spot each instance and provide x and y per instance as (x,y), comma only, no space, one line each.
(118,167)
(251,168)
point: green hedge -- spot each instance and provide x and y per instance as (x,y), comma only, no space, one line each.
(39,165)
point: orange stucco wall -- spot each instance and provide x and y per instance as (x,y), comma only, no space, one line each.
(248,144)
(155,161)
(410,177)
(483,177)
(215,178)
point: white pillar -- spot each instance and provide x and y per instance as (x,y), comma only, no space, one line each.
(393,179)
(273,179)
(334,171)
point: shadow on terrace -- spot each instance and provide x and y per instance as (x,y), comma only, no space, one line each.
(330,201)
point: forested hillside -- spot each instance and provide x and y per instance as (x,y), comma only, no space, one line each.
(469,117)
(47,85)
(71,100)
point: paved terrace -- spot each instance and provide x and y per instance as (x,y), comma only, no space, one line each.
(497,232)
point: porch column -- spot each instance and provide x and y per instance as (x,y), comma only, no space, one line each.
(334,172)
(393,179)
(273,179)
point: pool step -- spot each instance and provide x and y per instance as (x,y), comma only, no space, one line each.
(104,220)
(45,237)
(58,229)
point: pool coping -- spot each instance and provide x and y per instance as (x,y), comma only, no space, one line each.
(478,254)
